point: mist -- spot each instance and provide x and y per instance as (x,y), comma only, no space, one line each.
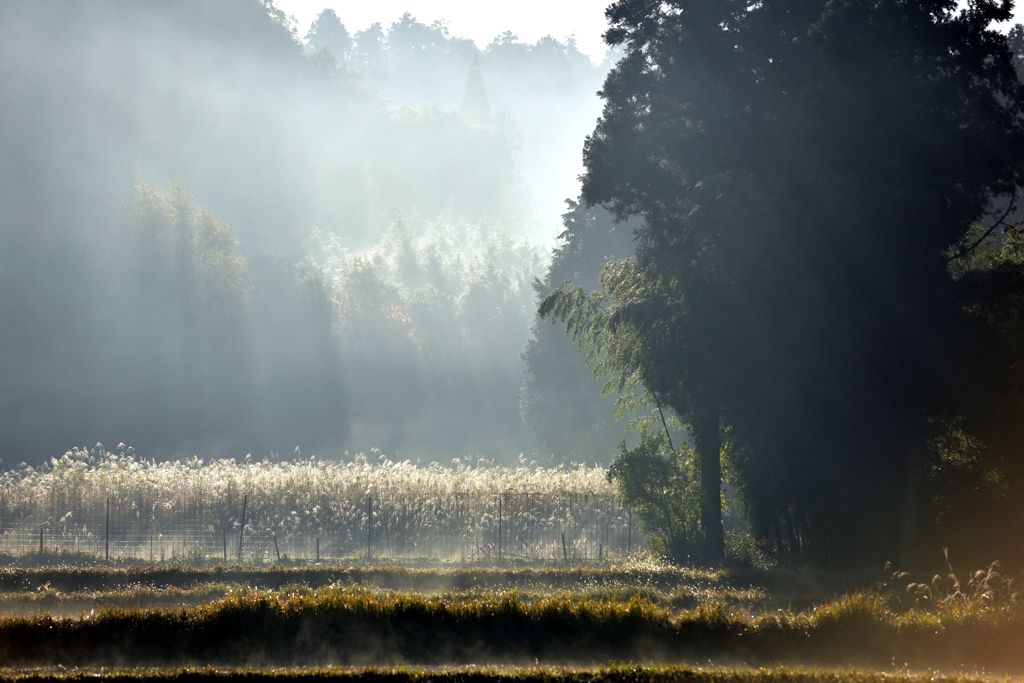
(222,235)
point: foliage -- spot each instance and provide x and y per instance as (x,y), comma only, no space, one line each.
(561,402)
(432,317)
(610,326)
(134,317)
(660,482)
(328,31)
(799,216)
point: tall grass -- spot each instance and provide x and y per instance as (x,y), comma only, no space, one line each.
(193,509)
(361,626)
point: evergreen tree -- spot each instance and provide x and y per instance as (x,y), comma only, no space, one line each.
(328,31)
(474,99)
(806,171)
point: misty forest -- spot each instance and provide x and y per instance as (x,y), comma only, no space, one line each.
(492,359)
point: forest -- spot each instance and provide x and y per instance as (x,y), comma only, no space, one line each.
(221,238)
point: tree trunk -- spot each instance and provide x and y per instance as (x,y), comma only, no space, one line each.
(707,439)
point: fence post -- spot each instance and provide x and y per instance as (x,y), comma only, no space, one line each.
(106,544)
(40,541)
(369,526)
(241,530)
(225,530)
(500,520)
(317,548)
(276,550)
(565,551)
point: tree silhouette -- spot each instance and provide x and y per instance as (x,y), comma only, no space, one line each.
(805,172)
(474,99)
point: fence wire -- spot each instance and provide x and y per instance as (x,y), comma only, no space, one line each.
(482,529)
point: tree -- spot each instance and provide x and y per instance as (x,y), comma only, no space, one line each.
(806,171)
(474,99)
(634,332)
(561,402)
(328,31)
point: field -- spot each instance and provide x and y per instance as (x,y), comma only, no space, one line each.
(671,623)
(116,566)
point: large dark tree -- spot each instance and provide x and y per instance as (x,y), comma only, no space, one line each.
(806,171)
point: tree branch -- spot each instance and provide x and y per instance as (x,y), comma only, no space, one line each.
(964,251)
(664,422)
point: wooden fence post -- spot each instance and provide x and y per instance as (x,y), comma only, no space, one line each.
(241,530)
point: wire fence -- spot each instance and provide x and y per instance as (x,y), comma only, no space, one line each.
(481,529)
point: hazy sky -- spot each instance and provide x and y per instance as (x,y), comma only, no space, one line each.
(481,21)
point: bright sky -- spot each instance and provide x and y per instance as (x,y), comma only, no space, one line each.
(482,20)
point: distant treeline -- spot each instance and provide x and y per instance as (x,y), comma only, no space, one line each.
(217,239)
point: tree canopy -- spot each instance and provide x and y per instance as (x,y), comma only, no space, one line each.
(809,175)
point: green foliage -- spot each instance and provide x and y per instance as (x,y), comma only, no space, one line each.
(661,484)
(633,335)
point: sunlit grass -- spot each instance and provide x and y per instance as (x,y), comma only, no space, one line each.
(193,510)
(368,625)
(622,673)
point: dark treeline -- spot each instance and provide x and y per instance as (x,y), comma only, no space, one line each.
(216,239)
(827,281)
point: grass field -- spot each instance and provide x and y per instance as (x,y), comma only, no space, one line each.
(537,674)
(613,674)
(166,618)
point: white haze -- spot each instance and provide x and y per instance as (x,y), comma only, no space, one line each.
(121,323)
(531,20)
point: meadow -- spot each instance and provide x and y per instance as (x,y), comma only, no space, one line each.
(538,674)
(666,620)
(531,573)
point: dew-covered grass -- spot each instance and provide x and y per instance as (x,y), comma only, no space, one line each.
(261,618)
(619,673)
(358,625)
